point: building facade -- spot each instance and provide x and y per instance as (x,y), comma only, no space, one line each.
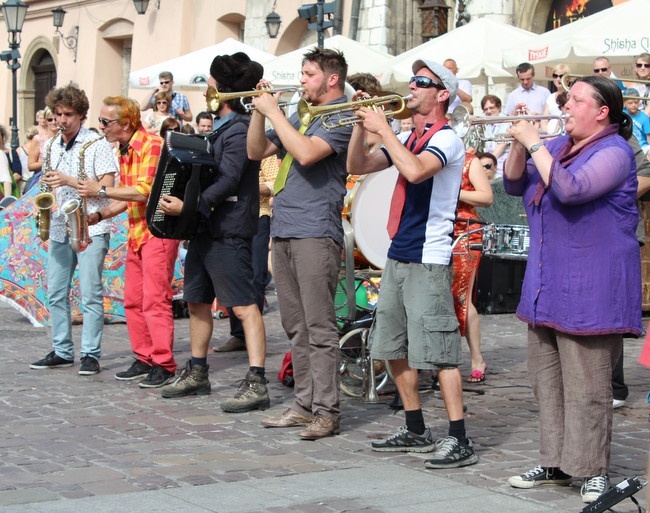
(113,39)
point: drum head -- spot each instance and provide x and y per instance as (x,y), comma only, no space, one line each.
(369,214)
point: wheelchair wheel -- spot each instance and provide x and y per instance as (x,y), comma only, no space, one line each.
(355,360)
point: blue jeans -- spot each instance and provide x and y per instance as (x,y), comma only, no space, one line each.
(60,269)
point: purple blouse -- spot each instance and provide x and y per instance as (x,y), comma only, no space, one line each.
(583,275)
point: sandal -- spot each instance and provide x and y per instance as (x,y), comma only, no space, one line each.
(477,376)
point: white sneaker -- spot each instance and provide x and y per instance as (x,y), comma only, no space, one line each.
(594,487)
(617,403)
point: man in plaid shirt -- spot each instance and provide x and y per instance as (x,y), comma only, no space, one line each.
(150,260)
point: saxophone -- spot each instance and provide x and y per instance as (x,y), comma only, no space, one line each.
(44,199)
(76,209)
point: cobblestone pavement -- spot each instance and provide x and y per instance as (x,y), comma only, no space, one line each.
(65,436)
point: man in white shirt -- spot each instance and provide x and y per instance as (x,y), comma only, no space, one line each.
(528,95)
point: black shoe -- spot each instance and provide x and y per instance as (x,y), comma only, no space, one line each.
(404,440)
(89,366)
(137,370)
(51,361)
(540,476)
(157,377)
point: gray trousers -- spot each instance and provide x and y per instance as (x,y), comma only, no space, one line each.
(306,273)
(571,379)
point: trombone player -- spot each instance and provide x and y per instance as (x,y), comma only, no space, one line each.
(76,153)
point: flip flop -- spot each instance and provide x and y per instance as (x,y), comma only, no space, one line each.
(477,376)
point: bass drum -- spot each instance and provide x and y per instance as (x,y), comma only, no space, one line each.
(370,205)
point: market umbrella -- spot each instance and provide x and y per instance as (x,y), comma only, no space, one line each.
(23,277)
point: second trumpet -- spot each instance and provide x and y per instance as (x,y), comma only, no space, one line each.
(393,105)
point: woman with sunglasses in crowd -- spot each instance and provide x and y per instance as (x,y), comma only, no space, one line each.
(552,106)
(35,156)
(160,112)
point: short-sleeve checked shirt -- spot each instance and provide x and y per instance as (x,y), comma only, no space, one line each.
(138,166)
(268,171)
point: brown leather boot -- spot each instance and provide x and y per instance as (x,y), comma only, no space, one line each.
(320,427)
(289,418)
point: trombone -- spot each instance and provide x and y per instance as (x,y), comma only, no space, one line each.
(462,122)
(214,98)
(394,106)
(566,79)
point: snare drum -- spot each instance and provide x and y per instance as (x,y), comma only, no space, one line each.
(369,209)
(507,240)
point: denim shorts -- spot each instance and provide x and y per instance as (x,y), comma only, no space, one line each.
(415,317)
(219,268)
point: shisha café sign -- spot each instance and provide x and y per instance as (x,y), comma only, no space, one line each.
(606,45)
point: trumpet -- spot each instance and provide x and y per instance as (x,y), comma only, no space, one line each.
(462,123)
(394,106)
(566,85)
(214,98)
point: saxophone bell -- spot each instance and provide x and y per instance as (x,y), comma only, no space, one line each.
(76,224)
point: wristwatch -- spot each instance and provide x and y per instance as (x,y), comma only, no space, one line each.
(535,147)
(102,191)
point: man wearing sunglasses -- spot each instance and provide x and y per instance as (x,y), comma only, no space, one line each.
(416,326)
(180,107)
(603,68)
(150,260)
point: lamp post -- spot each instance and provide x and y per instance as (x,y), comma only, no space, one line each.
(318,11)
(14,12)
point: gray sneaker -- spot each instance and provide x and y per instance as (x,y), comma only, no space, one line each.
(452,453)
(252,395)
(191,381)
(405,441)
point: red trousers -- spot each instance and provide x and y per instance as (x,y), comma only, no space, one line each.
(148,301)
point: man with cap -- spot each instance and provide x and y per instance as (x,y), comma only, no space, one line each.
(308,238)
(415,325)
(219,261)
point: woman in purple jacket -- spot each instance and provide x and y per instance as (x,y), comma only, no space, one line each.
(582,287)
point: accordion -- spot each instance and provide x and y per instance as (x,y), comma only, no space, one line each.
(186,168)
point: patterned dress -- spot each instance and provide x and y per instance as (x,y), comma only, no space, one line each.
(465,261)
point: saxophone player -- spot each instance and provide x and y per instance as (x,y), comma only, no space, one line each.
(69,164)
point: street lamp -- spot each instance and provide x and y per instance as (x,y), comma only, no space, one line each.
(71,42)
(318,11)
(273,22)
(141,5)
(14,12)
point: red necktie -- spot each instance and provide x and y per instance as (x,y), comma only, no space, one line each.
(399,193)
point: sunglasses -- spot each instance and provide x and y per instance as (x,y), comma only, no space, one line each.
(425,83)
(49,120)
(105,122)
(600,70)
(555,75)
(162,102)
(165,82)
(643,65)
(487,166)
